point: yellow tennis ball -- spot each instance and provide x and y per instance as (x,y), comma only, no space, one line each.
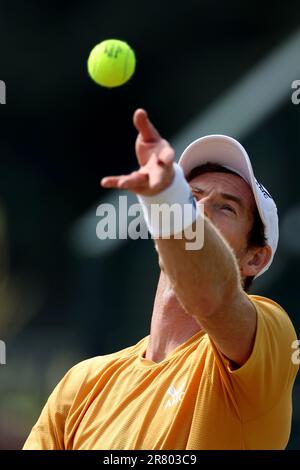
(111,63)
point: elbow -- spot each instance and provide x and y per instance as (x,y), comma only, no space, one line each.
(221,295)
(204,301)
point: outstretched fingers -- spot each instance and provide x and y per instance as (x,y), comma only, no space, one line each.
(145,127)
(132,181)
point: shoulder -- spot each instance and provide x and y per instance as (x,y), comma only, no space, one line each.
(272,314)
(269,373)
(86,373)
(275,336)
(265,302)
(65,403)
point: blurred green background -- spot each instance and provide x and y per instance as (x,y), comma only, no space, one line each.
(202,67)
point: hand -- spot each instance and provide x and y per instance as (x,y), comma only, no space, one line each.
(155,156)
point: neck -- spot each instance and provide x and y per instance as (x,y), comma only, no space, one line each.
(171,326)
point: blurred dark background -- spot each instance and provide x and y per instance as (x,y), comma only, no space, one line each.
(64,294)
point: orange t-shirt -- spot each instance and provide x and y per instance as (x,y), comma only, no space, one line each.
(191,400)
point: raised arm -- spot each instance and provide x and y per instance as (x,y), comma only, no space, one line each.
(206,281)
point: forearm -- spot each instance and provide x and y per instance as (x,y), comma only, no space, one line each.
(202,279)
(202,274)
(207,280)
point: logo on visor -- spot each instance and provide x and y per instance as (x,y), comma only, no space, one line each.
(263,190)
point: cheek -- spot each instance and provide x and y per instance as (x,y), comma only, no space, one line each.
(233,231)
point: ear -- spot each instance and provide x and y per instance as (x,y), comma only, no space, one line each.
(255,260)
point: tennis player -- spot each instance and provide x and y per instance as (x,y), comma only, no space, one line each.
(216,370)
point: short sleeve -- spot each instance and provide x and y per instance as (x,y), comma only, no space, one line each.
(269,373)
(49,431)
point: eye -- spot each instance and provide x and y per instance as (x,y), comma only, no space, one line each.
(226,207)
(196,195)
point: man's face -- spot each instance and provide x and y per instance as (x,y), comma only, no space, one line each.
(228,203)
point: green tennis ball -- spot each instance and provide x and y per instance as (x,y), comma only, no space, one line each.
(111,63)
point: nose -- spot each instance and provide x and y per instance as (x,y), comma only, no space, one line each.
(208,206)
(208,211)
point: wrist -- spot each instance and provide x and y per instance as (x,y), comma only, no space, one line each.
(171,210)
